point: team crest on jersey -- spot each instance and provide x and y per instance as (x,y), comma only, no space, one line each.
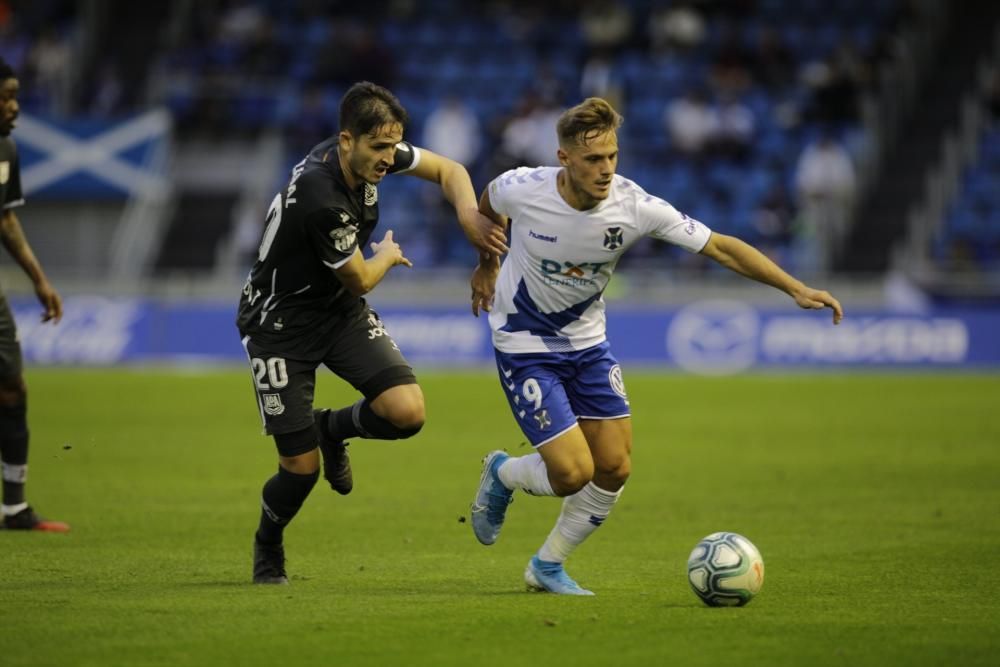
(543,419)
(371,194)
(613,238)
(4,172)
(273,405)
(344,238)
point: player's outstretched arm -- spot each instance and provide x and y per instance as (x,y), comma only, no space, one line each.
(17,245)
(744,259)
(360,275)
(457,189)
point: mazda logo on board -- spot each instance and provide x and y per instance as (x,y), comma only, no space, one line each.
(715,337)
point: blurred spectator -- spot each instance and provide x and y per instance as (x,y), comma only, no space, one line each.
(677,28)
(544,77)
(48,61)
(241,22)
(849,60)
(314,120)
(265,55)
(690,123)
(333,60)
(606,25)
(352,53)
(372,61)
(453,130)
(528,24)
(730,65)
(733,130)
(600,78)
(530,138)
(107,91)
(835,93)
(773,66)
(14,44)
(825,171)
(825,181)
(772,222)
(240,67)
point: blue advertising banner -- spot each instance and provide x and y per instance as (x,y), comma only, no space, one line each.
(708,337)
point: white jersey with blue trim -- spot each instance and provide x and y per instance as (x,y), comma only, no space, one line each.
(548,294)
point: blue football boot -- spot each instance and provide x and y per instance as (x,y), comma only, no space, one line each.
(542,576)
(492,499)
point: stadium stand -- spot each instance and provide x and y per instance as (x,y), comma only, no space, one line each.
(765,79)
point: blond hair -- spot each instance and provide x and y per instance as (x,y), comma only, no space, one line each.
(588,119)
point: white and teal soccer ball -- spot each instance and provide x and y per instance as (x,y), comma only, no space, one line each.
(725,570)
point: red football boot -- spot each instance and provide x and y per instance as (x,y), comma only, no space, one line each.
(26,519)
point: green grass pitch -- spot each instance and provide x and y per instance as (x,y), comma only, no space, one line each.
(875,501)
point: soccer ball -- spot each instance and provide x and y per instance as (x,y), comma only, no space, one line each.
(725,570)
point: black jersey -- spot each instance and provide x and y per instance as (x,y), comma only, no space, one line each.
(292,298)
(10,175)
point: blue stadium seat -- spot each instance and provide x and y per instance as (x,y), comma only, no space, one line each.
(490,68)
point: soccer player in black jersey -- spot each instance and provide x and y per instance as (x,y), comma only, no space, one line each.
(13,393)
(302,306)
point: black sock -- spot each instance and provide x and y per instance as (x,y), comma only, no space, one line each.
(359,420)
(281,500)
(14,452)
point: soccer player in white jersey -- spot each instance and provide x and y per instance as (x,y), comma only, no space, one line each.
(569,226)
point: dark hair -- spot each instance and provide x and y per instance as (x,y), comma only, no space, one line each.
(366,107)
(6,71)
(588,119)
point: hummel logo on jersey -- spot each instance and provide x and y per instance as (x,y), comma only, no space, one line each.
(510,385)
(344,238)
(371,194)
(613,238)
(542,237)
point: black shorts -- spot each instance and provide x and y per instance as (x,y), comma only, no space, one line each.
(11,363)
(359,351)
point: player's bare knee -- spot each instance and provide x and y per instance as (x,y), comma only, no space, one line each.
(404,410)
(615,470)
(408,417)
(567,480)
